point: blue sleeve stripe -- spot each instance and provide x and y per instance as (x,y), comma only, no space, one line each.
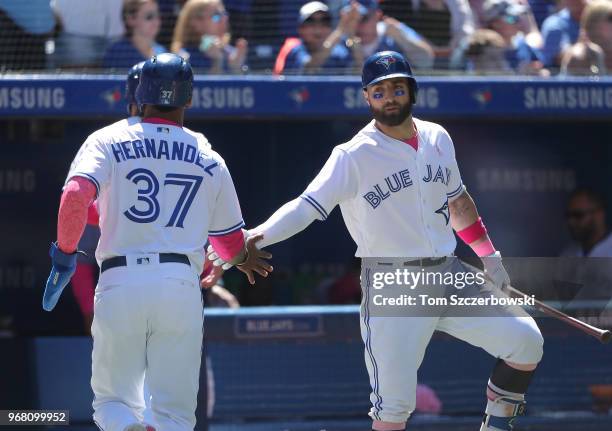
(315,206)
(89,177)
(226,231)
(456,191)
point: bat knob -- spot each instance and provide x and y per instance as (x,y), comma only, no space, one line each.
(605,337)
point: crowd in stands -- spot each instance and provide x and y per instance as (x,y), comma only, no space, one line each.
(535,37)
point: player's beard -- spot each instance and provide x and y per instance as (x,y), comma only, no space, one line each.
(392,119)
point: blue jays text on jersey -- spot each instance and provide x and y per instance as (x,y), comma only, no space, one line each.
(399,180)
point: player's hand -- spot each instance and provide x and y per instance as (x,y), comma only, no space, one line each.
(495,271)
(212,277)
(62,270)
(349,20)
(394,27)
(254,260)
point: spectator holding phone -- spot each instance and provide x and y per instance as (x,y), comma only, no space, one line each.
(202,37)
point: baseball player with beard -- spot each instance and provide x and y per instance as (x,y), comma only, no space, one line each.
(162,192)
(400,192)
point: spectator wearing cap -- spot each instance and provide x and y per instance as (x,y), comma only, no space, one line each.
(319,47)
(24,29)
(596,24)
(382,33)
(561,30)
(443,23)
(202,37)
(142,23)
(504,17)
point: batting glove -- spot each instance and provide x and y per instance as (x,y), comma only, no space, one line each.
(216,260)
(214,257)
(495,271)
(63,267)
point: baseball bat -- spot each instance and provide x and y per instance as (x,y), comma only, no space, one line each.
(603,335)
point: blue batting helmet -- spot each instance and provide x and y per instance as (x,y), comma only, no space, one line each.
(166,80)
(386,65)
(132,82)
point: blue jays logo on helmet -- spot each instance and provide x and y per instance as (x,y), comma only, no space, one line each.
(386,65)
(386,61)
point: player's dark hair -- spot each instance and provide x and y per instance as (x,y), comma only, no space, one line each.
(593,195)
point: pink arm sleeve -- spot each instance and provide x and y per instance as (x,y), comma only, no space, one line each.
(93,217)
(78,194)
(229,245)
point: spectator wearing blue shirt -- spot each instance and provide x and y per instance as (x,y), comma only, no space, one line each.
(561,30)
(142,24)
(504,17)
(24,29)
(382,33)
(201,36)
(320,48)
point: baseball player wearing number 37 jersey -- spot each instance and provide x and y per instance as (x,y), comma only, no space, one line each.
(401,195)
(162,192)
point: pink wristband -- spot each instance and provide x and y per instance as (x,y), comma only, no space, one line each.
(473,232)
(229,245)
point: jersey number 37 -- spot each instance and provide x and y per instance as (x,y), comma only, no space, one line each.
(148,189)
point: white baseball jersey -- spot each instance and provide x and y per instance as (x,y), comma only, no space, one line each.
(394,200)
(161,189)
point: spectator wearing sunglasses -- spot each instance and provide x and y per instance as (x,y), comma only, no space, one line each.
(320,47)
(586,278)
(504,17)
(142,24)
(586,222)
(202,37)
(383,33)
